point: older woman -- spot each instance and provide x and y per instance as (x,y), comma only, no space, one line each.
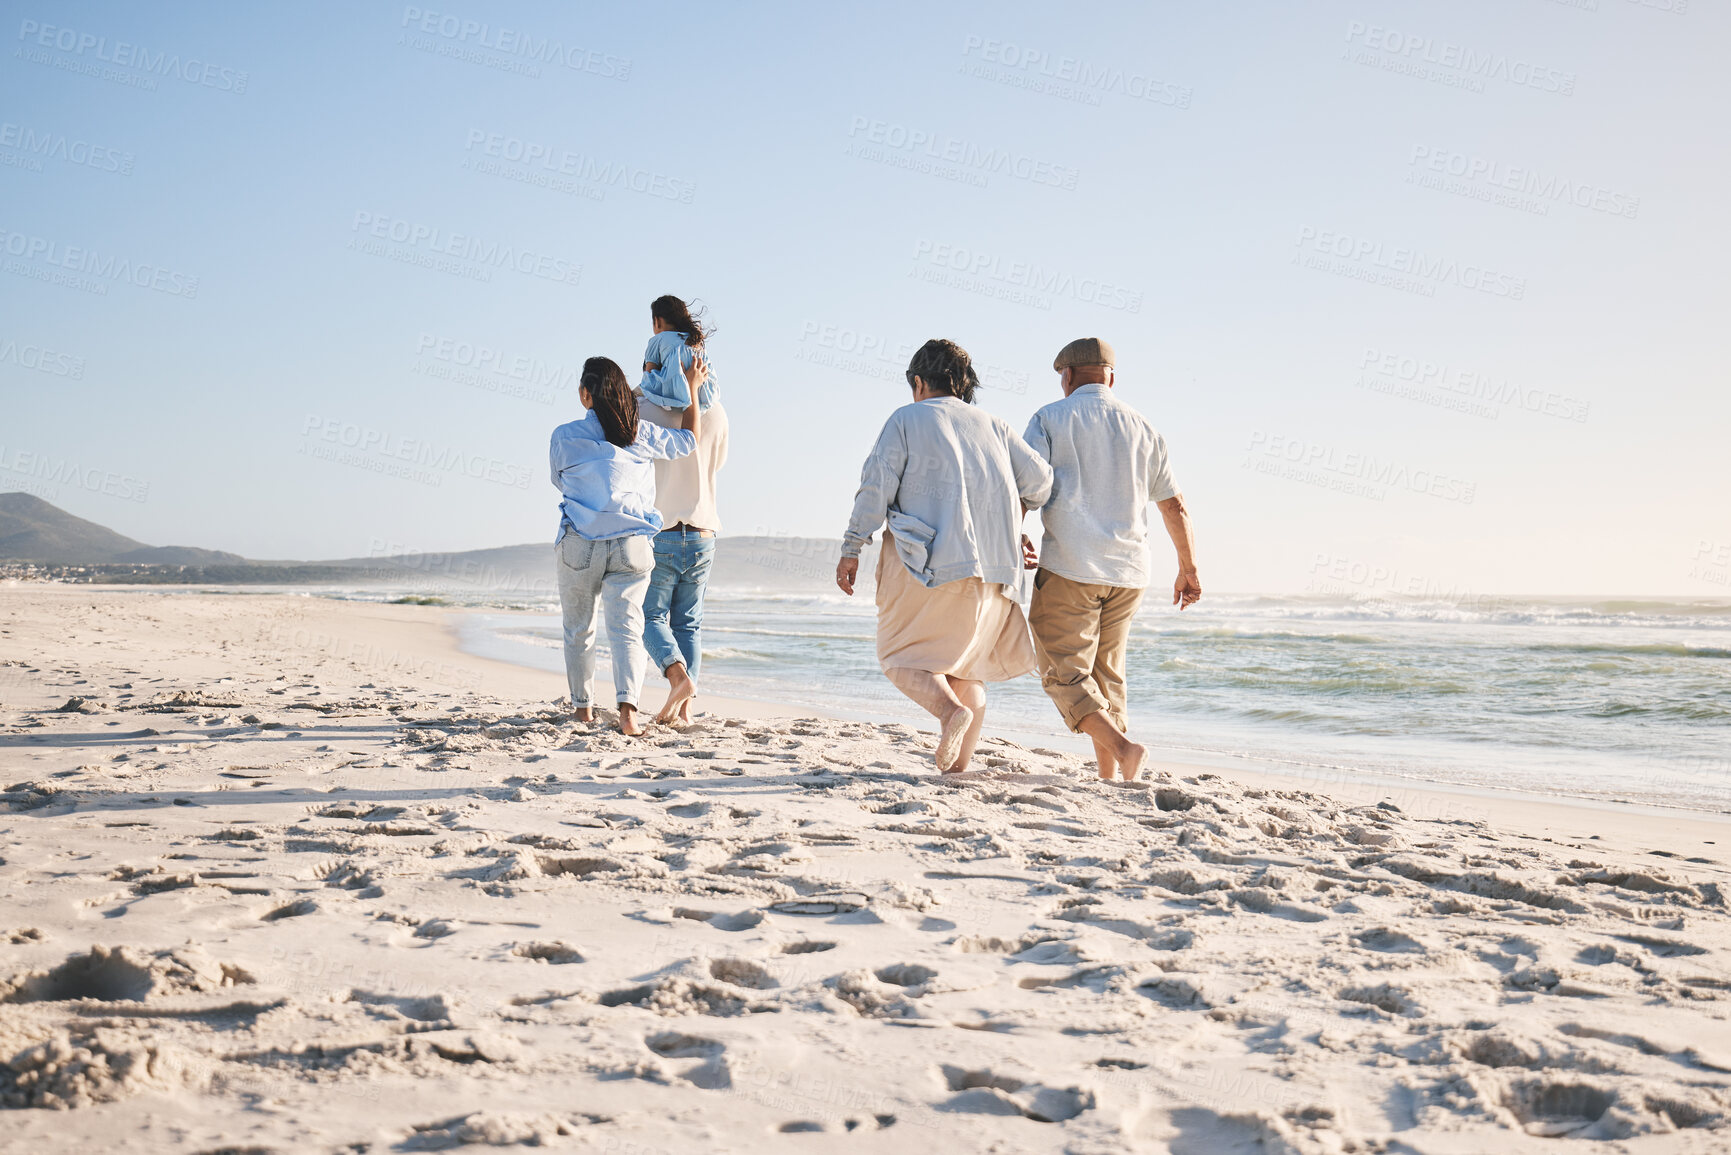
(952,482)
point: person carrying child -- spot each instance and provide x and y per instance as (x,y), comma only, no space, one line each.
(603,467)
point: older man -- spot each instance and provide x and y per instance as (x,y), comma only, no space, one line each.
(1108,463)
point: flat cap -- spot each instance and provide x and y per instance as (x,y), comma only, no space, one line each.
(1085,351)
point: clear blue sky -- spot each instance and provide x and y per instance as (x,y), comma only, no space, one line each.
(1359,260)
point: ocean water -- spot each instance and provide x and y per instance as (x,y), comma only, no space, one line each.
(1624,700)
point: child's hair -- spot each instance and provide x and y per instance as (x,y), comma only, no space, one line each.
(677,316)
(611,397)
(946,367)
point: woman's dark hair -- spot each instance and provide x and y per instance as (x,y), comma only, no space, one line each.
(946,368)
(611,397)
(677,316)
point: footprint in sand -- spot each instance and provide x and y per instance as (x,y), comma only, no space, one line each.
(1388,999)
(557,953)
(742,973)
(910,975)
(1387,940)
(985,1092)
(743,920)
(293,909)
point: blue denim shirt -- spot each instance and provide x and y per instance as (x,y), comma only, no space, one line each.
(951,481)
(666,386)
(607,491)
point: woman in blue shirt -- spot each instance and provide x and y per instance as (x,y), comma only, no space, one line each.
(603,467)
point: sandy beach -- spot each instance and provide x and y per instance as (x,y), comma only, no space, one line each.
(284,874)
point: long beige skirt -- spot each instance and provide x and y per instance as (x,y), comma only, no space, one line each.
(966,629)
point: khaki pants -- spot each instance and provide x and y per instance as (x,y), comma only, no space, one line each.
(1081,634)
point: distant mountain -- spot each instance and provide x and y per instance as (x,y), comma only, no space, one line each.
(762,562)
(181,555)
(780,562)
(33,530)
(504,569)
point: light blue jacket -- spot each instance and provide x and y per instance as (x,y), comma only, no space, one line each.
(951,481)
(606,491)
(666,386)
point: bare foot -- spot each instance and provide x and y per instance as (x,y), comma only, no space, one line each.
(628,720)
(1130,764)
(680,689)
(955,729)
(584,714)
(1104,759)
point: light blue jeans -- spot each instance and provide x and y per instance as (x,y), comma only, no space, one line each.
(614,572)
(673,608)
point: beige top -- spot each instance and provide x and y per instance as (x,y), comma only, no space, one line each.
(685,486)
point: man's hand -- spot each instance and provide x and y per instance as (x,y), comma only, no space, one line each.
(1187,590)
(846,572)
(1030,559)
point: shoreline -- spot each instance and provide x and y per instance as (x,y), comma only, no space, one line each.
(431,635)
(1426,798)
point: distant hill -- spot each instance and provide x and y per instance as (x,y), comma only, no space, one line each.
(33,530)
(780,562)
(504,569)
(740,562)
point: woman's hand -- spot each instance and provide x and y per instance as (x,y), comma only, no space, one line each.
(697,372)
(846,572)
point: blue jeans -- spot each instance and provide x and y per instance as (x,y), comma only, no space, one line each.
(614,572)
(673,607)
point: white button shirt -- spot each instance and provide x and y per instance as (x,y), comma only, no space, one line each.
(1108,463)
